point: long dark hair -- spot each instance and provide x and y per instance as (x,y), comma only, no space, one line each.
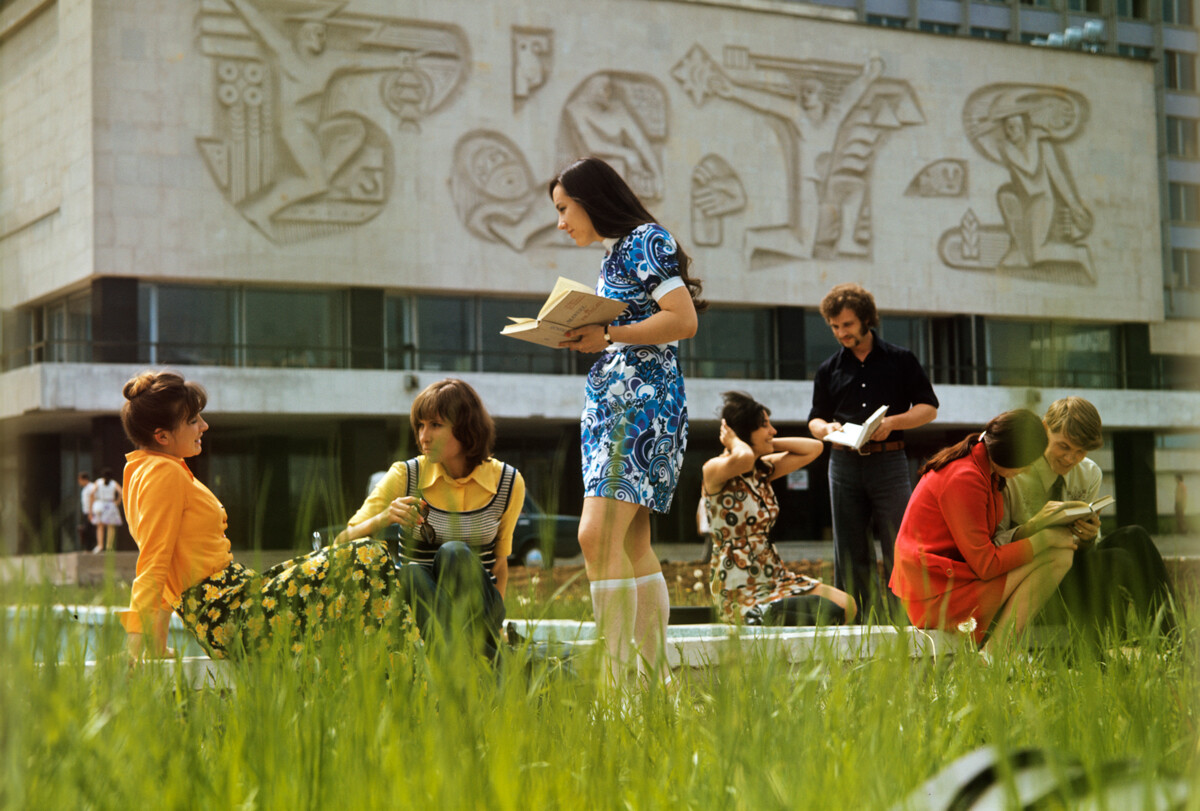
(615,210)
(1013,439)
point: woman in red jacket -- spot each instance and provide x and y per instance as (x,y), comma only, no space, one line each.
(947,570)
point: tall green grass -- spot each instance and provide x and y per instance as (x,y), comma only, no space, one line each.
(345,724)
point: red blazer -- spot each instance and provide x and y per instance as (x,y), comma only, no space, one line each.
(946,534)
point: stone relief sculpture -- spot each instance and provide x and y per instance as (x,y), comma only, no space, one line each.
(1024,128)
(717,191)
(622,118)
(831,119)
(532,50)
(942,178)
(306,98)
(494,191)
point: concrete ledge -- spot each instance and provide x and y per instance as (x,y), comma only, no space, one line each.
(707,645)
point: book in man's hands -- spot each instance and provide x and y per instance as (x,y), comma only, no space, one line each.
(1072,511)
(854,435)
(569,305)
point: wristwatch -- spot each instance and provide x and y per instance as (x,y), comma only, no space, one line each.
(607,337)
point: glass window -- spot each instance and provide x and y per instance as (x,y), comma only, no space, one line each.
(182,324)
(1178,12)
(303,328)
(819,342)
(1186,264)
(910,332)
(500,354)
(69,330)
(988,33)
(446,330)
(1134,51)
(1089,6)
(948,29)
(397,333)
(1134,9)
(731,343)
(886,21)
(1184,202)
(1042,354)
(16,339)
(1181,70)
(1181,137)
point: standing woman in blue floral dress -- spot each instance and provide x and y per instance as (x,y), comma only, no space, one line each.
(634,422)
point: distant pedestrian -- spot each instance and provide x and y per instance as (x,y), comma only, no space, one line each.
(86,529)
(1181,526)
(105,510)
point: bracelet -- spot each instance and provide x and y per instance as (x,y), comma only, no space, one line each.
(607,337)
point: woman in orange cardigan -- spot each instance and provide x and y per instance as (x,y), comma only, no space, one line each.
(947,570)
(184,561)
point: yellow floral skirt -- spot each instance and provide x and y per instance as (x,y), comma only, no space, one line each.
(237,610)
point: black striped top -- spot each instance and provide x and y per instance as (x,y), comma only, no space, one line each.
(478,529)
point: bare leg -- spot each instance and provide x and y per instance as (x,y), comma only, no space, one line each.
(840,598)
(1026,590)
(603,528)
(99,538)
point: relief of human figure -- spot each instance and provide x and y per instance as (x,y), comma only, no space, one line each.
(828,134)
(1040,185)
(305,69)
(604,120)
(1023,129)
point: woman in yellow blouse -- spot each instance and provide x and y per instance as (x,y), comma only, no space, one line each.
(184,561)
(457,508)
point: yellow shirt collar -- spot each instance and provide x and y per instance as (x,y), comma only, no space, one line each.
(486,475)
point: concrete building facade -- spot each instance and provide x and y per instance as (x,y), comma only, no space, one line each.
(316,209)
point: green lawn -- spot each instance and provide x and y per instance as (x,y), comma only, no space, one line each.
(347,725)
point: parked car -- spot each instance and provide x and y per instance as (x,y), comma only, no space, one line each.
(540,538)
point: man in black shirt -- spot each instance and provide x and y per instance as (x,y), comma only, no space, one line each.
(868,488)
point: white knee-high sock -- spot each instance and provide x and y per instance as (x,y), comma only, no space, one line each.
(614,605)
(650,624)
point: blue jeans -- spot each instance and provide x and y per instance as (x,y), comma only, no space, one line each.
(868,495)
(456,598)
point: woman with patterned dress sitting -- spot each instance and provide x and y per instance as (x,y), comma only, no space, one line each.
(749,581)
(184,561)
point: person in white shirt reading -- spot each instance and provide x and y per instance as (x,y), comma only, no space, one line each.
(1111,572)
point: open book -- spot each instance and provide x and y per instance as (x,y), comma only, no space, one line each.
(855,435)
(570,305)
(1072,511)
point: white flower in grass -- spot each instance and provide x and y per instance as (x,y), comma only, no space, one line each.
(698,573)
(968,626)
(698,586)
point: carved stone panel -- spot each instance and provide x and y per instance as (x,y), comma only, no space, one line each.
(532,60)
(942,178)
(830,118)
(309,100)
(622,118)
(1044,222)
(495,193)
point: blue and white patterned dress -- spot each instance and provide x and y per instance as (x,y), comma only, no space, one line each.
(634,424)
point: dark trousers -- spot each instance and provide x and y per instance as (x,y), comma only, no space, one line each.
(1123,570)
(456,598)
(867,495)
